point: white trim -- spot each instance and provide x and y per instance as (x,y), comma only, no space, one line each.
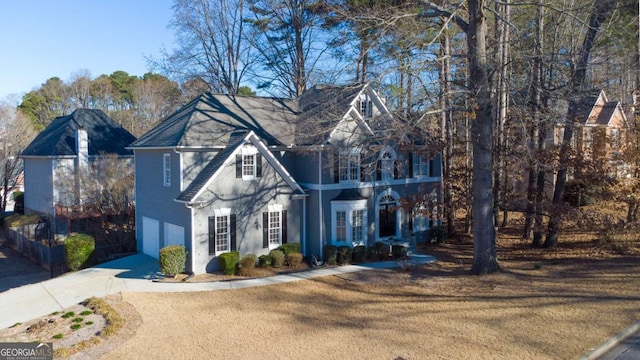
(370,184)
(348,206)
(399,212)
(275,208)
(223,212)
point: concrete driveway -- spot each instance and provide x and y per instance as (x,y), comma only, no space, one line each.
(135,273)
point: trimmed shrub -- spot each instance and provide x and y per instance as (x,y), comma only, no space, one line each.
(79,251)
(437,234)
(172,260)
(330,254)
(344,255)
(264,261)
(277,258)
(247,265)
(294,259)
(228,262)
(290,248)
(14,220)
(18,205)
(379,251)
(399,251)
(359,254)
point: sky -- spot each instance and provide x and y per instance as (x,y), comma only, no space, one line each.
(40,39)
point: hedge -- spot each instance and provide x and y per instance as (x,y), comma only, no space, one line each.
(277,258)
(290,248)
(330,253)
(247,265)
(228,262)
(79,251)
(172,260)
(344,255)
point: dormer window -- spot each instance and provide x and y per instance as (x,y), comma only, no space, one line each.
(249,163)
(365,108)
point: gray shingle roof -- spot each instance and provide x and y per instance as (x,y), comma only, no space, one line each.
(210,119)
(59,138)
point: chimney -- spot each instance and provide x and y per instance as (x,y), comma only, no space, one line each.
(82,148)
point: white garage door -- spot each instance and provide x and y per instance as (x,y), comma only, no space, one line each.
(173,234)
(151,237)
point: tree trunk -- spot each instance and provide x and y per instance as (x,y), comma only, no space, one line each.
(445,70)
(598,14)
(484,234)
(542,127)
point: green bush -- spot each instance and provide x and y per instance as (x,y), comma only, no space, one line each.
(14,220)
(437,234)
(290,248)
(379,251)
(228,262)
(18,205)
(294,259)
(277,258)
(330,254)
(79,251)
(172,260)
(399,251)
(247,265)
(359,254)
(344,255)
(264,261)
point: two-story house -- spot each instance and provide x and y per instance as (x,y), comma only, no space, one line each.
(55,160)
(228,173)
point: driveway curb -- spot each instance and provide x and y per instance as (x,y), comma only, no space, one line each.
(612,342)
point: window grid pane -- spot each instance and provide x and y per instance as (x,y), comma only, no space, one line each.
(248,165)
(356,228)
(274,228)
(354,167)
(222,233)
(420,165)
(341,226)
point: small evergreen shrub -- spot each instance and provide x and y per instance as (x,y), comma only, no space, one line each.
(330,254)
(379,251)
(228,262)
(399,251)
(344,255)
(79,251)
(172,260)
(75,327)
(294,259)
(58,336)
(277,258)
(359,254)
(15,220)
(247,265)
(290,248)
(264,261)
(18,202)
(437,234)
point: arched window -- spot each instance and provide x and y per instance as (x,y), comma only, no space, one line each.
(386,164)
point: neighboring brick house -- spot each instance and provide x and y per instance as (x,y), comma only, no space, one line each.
(245,173)
(68,145)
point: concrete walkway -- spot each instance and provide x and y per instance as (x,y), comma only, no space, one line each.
(136,273)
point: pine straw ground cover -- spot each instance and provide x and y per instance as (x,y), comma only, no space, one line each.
(544,304)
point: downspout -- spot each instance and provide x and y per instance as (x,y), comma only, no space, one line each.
(304,225)
(320,200)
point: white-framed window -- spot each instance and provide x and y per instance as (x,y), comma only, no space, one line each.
(615,137)
(166,169)
(365,107)
(275,226)
(420,165)
(349,222)
(249,163)
(349,166)
(587,139)
(220,231)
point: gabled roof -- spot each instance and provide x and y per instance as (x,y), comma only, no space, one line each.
(59,138)
(210,119)
(602,114)
(212,169)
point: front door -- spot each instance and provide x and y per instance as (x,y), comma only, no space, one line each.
(387,216)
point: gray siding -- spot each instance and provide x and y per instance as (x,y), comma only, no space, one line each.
(156,201)
(38,185)
(247,199)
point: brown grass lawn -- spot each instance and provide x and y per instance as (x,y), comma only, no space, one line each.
(545,304)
